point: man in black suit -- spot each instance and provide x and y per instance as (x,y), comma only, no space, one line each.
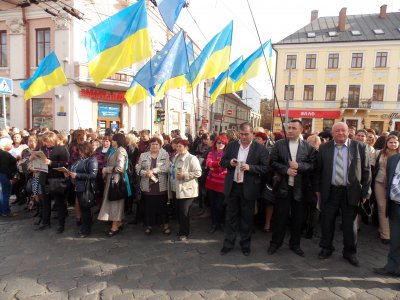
(344,178)
(246,162)
(392,267)
(293,169)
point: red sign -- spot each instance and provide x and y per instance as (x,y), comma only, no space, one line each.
(229,112)
(298,113)
(102,94)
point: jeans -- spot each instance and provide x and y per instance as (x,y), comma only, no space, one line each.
(5,194)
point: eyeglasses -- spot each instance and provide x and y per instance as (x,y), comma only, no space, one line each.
(220,143)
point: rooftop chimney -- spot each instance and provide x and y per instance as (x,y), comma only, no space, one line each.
(314,15)
(342,19)
(382,14)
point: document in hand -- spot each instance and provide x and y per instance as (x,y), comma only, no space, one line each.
(62,169)
(39,154)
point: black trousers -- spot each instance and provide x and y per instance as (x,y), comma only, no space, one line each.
(183,212)
(86,217)
(217,207)
(329,209)
(61,207)
(285,207)
(239,217)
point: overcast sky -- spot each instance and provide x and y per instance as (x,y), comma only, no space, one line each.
(275,20)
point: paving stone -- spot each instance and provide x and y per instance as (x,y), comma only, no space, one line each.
(78,292)
(7,295)
(325,295)
(61,285)
(91,297)
(123,297)
(25,287)
(381,294)
(177,295)
(295,294)
(213,294)
(342,292)
(96,286)
(142,293)
(110,292)
(158,297)
(246,296)
(52,296)
(280,296)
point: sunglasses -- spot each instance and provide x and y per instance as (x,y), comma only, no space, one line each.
(220,143)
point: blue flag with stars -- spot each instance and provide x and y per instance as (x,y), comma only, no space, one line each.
(170,62)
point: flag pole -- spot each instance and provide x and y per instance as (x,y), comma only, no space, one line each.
(4,111)
(272,83)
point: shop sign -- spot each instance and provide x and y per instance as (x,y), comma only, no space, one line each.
(109,111)
(391,116)
(297,113)
(102,94)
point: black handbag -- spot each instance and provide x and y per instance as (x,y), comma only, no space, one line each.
(58,185)
(117,189)
(87,199)
(267,194)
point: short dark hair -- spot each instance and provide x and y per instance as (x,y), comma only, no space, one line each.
(183,142)
(244,125)
(85,148)
(120,139)
(155,140)
(296,121)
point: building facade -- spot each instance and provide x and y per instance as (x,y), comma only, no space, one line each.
(341,68)
(28,34)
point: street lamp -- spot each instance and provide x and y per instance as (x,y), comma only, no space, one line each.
(390,124)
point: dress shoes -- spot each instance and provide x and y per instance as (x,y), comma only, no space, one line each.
(298,251)
(43,227)
(352,259)
(382,271)
(60,229)
(225,250)
(213,229)
(324,254)
(246,251)
(272,249)
(385,241)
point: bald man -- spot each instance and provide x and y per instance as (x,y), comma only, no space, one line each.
(344,178)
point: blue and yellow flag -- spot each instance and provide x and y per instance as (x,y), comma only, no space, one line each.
(118,42)
(168,66)
(170,10)
(224,84)
(214,58)
(252,65)
(48,76)
(190,52)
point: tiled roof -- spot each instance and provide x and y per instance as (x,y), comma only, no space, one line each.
(365,24)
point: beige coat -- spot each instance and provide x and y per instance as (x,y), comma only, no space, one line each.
(190,166)
(113,210)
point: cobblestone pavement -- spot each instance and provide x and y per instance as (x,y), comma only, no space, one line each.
(46,265)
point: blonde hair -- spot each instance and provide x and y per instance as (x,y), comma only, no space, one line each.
(50,136)
(132,139)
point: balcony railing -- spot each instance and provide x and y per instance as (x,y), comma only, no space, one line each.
(356,103)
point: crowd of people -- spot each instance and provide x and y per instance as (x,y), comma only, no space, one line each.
(241,179)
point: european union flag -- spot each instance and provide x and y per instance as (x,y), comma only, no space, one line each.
(168,63)
(170,10)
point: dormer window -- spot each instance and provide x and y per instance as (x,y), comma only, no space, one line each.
(355,32)
(378,31)
(311,34)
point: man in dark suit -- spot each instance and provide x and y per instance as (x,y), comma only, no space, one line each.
(392,267)
(246,162)
(293,168)
(344,178)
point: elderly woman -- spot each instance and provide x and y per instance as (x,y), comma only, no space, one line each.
(84,169)
(8,168)
(153,171)
(16,151)
(117,163)
(215,183)
(185,170)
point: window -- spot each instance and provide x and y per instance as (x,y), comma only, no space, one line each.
(398,94)
(3,49)
(42,113)
(378,92)
(381,59)
(327,124)
(289,92)
(291,62)
(330,94)
(377,126)
(356,60)
(7,112)
(42,44)
(333,61)
(308,92)
(311,61)
(354,95)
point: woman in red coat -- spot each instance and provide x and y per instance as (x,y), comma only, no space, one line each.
(215,183)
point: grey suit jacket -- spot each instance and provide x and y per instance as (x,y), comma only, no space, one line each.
(358,171)
(256,159)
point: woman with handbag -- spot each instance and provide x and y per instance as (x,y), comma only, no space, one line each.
(84,178)
(116,185)
(184,186)
(215,183)
(391,147)
(56,157)
(153,171)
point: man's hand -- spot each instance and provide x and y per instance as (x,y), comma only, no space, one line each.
(291,172)
(244,167)
(234,162)
(293,165)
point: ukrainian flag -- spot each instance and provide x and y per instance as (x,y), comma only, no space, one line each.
(118,42)
(252,66)
(48,76)
(224,84)
(214,58)
(136,93)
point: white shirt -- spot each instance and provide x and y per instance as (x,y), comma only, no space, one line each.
(241,158)
(293,146)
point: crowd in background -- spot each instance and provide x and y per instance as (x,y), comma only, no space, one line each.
(165,174)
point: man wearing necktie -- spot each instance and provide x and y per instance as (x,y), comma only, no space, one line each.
(392,267)
(344,178)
